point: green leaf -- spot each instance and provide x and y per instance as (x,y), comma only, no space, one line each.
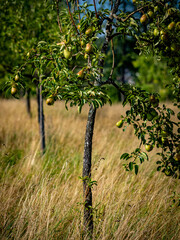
(136,169)
(131,166)
(124,156)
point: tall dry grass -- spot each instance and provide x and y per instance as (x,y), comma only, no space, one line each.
(41,197)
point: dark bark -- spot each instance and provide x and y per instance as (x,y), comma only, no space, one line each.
(28,102)
(38,103)
(88,215)
(41,118)
(87,192)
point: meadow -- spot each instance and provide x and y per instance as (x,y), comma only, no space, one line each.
(41,196)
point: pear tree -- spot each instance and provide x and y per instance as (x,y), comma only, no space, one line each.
(75,65)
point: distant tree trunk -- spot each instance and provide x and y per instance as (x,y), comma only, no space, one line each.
(41,122)
(28,102)
(87,193)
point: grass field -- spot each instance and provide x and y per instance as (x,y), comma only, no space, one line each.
(41,197)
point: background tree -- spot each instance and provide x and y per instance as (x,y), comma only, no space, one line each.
(23,25)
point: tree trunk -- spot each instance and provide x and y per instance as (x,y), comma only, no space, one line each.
(87,193)
(38,103)
(41,119)
(28,102)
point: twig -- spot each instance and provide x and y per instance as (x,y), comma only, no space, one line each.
(78,10)
(113,63)
(125,19)
(95,8)
(59,24)
(71,16)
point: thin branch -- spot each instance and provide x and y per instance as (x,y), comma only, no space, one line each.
(71,17)
(59,24)
(95,8)
(78,10)
(114,35)
(113,63)
(131,14)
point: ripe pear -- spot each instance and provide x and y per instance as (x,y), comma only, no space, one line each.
(85,56)
(156,32)
(148,147)
(13,90)
(82,43)
(171,26)
(88,48)
(67,54)
(16,78)
(88,32)
(144,19)
(50,101)
(119,124)
(80,74)
(150,13)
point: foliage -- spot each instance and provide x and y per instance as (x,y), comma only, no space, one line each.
(24,23)
(72,67)
(153,75)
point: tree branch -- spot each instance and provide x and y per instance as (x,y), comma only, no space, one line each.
(95,8)
(113,63)
(78,10)
(71,17)
(131,14)
(57,7)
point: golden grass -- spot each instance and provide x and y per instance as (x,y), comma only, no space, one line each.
(41,197)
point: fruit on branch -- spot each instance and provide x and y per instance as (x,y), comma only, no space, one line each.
(50,101)
(28,54)
(85,56)
(16,78)
(13,90)
(156,32)
(88,48)
(171,26)
(119,124)
(144,19)
(82,43)
(164,36)
(134,1)
(78,26)
(67,54)
(88,32)
(150,13)
(80,74)
(148,147)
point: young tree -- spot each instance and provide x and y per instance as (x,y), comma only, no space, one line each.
(76,75)
(24,24)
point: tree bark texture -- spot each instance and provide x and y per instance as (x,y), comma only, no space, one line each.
(38,103)
(41,124)
(28,102)
(87,193)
